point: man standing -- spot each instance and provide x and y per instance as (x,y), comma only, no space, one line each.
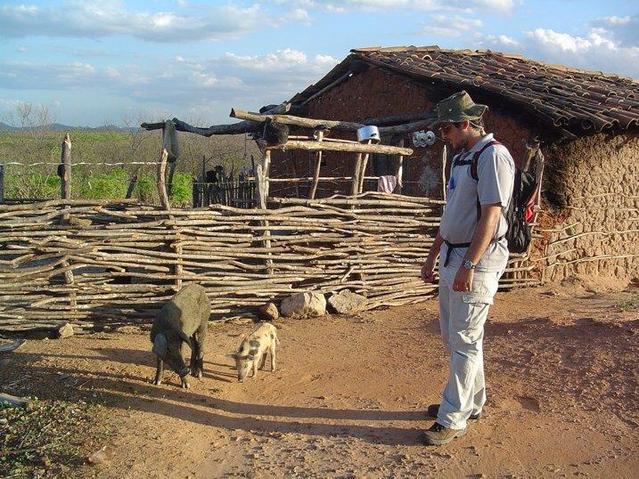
(473,255)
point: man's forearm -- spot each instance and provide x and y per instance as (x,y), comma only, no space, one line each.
(484,232)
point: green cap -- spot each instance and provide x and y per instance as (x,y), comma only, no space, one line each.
(458,107)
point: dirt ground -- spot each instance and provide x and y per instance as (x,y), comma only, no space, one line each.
(349,395)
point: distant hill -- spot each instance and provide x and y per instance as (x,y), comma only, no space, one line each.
(61,127)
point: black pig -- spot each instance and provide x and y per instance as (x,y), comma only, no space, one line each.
(184,319)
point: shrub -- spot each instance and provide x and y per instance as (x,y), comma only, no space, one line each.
(105,186)
(182,189)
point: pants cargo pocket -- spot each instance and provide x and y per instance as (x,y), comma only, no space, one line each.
(483,290)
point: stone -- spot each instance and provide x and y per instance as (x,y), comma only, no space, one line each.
(268,312)
(65,331)
(304,305)
(100,456)
(346,302)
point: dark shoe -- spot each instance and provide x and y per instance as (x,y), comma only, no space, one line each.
(433,410)
(438,435)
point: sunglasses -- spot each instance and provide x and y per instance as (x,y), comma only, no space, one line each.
(444,127)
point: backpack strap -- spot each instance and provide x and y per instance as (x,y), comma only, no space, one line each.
(475,159)
(473,169)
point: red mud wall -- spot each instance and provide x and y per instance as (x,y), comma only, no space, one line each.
(594,227)
(379,93)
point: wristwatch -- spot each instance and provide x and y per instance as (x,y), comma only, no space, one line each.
(468,264)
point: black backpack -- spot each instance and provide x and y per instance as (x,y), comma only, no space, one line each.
(519,234)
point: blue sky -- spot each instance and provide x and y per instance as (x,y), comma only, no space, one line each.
(97,62)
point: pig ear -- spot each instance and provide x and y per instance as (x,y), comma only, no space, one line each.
(160,346)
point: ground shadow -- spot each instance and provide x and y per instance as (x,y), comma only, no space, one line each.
(137,393)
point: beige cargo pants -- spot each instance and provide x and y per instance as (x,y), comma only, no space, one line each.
(461,318)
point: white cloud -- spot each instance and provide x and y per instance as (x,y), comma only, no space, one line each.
(625,30)
(282,60)
(451,26)
(179,84)
(597,49)
(594,51)
(503,6)
(616,20)
(459,6)
(507,41)
(107,18)
(300,15)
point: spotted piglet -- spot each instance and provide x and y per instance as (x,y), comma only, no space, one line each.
(253,350)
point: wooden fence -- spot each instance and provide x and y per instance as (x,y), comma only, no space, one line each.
(241,194)
(88,261)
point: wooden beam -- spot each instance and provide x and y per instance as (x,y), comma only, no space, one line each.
(331,124)
(346,147)
(296,120)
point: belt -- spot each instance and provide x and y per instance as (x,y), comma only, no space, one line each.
(453,246)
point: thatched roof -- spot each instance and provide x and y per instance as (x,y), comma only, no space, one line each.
(579,101)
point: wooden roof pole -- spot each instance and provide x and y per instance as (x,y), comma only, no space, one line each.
(337,146)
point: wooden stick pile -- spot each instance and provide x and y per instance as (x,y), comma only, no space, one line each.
(126,259)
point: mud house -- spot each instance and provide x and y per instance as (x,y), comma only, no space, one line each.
(587,124)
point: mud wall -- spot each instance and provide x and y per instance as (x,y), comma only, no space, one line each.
(590,222)
(380,93)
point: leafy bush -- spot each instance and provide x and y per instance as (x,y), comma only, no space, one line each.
(182,189)
(145,189)
(105,186)
(32,185)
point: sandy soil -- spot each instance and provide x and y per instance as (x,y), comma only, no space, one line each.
(349,395)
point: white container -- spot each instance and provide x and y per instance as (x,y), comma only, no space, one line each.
(367,133)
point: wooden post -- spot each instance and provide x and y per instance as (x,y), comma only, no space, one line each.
(400,169)
(358,166)
(444,184)
(64,172)
(262,195)
(1,183)
(363,161)
(360,187)
(179,266)
(170,144)
(161,180)
(318,165)
(133,182)
(65,169)
(265,172)
(399,174)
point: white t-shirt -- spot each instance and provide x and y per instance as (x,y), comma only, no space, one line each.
(496,172)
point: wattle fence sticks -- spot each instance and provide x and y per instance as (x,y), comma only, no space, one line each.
(115,263)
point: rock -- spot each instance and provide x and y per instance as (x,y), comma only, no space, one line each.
(346,302)
(268,312)
(304,305)
(65,331)
(99,457)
